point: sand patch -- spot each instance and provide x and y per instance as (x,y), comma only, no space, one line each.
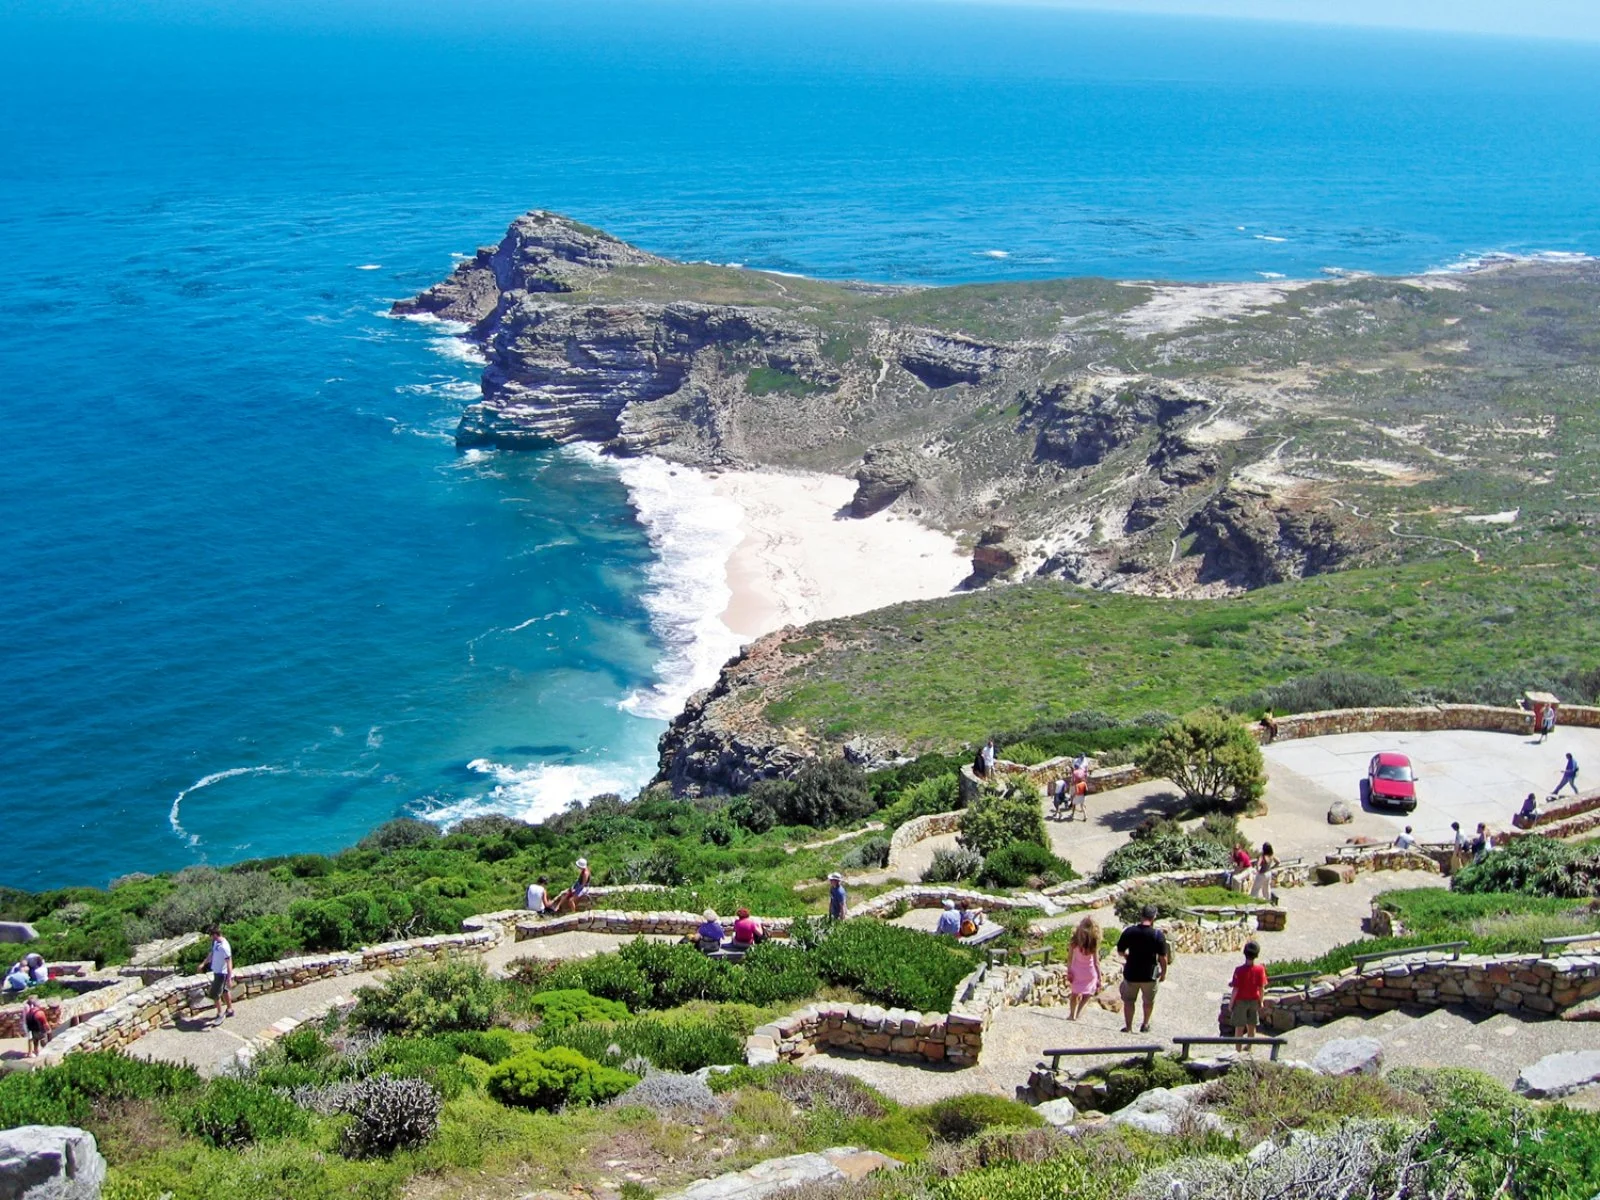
(1172,308)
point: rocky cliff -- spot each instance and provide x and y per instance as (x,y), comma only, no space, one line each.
(1129,437)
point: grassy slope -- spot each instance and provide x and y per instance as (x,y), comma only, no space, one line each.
(941,672)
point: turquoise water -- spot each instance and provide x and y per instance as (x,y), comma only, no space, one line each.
(253,600)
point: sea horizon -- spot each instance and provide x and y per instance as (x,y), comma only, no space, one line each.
(260,602)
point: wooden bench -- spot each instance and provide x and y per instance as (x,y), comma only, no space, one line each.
(1042,954)
(1185,1042)
(1149,1050)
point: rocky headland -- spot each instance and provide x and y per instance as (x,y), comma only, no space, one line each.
(1183,441)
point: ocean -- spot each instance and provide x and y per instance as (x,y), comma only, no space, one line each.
(254,601)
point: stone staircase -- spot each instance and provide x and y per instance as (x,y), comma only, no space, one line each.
(1498,1044)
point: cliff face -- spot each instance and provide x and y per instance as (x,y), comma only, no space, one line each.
(1118,436)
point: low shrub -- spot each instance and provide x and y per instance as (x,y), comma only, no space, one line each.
(1263,1098)
(231,1113)
(1164,852)
(402,833)
(843,1094)
(1127,1081)
(960,1117)
(388,1114)
(997,819)
(870,852)
(431,998)
(1024,864)
(66,1094)
(825,793)
(1027,753)
(953,865)
(654,975)
(1325,690)
(895,966)
(205,896)
(433,1060)
(933,794)
(569,1006)
(668,1045)
(1458,1087)
(666,1093)
(1169,901)
(548,1079)
(1537,866)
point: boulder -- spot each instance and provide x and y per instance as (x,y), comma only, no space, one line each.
(1329,873)
(1349,1056)
(886,473)
(1557,1075)
(1167,1110)
(994,556)
(1059,1113)
(50,1162)
(17,931)
(1339,813)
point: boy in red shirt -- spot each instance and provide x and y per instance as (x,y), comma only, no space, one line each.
(1249,985)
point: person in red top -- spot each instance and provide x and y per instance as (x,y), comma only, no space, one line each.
(1241,864)
(1249,985)
(747,930)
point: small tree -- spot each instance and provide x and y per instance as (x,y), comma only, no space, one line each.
(997,819)
(1212,757)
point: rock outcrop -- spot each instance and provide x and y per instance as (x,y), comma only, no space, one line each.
(996,556)
(942,360)
(1248,537)
(50,1162)
(1080,422)
(886,473)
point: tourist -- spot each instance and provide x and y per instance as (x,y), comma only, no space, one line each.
(1405,841)
(1547,722)
(949,920)
(1083,967)
(221,960)
(1569,776)
(836,897)
(1143,948)
(1530,808)
(988,757)
(571,898)
(1249,986)
(979,767)
(1080,788)
(1261,886)
(1058,798)
(17,978)
(1482,843)
(971,921)
(1241,864)
(36,1020)
(710,933)
(1458,848)
(538,898)
(37,971)
(1269,725)
(747,931)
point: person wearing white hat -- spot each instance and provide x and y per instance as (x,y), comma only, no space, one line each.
(836,897)
(568,900)
(949,920)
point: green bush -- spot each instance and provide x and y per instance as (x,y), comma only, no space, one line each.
(895,966)
(997,819)
(66,1094)
(433,998)
(1537,866)
(870,852)
(952,865)
(655,975)
(1212,757)
(434,1060)
(1024,864)
(1127,1081)
(935,794)
(569,1006)
(960,1117)
(205,896)
(548,1079)
(824,793)
(1545,1154)
(753,813)
(1027,753)
(1264,1098)
(681,1045)
(230,1113)
(403,833)
(1325,690)
(1458,1087)
(1164,852)
(1169,900)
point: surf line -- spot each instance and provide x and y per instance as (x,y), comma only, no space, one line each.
(173,817)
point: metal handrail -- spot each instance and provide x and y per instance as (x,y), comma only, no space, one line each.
(1044,951)
(1568,941)
(1361,960)
(1292,978)
(1276,1043)
(1149,1051)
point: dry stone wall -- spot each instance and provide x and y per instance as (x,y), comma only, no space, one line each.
(1485,718)
(630,924)
(920,829)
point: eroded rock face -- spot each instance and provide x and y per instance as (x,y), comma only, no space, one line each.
(1249,539)
(50,1162)
(886,473)
(995,556)
(1081,421)
(941,360)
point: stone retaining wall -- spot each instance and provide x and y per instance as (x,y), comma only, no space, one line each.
(630,924)
(1583,716)
(933,895)
(1101,779)
(919,829)
(66,1011)
(131,1016)
(1555,814)
(1528,985)
(1428,718)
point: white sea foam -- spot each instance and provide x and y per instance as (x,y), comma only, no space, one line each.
(370,267)
(174,816)
(1267,237)
(693,532)
(1499,258)
(997,254)
(541,790)
(1271,274)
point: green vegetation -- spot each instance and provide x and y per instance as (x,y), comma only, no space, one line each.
(555,1077)
(1164,845)
(1537,866)
(1212,757)
(1264,1099)
(1035,647)
(1003,818)
(767,381)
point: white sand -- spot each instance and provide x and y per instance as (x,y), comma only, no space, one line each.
(803,558)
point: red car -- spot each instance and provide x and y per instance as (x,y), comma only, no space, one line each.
(1391,783)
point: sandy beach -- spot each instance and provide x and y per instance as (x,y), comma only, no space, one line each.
(800,560)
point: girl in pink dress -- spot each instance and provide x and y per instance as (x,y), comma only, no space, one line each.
(1083,967)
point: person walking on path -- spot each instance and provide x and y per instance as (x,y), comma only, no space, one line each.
(1249,986)
(1458,848)
(36,1021)
(1144,953)
(836,897)
(1569,775)
(221,960)
(1261,886)
(1269,726)
(1080,789)
(949,920)
(1083,967)
(570,899)
(1547,722)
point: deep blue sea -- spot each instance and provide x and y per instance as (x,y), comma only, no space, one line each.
(252,600)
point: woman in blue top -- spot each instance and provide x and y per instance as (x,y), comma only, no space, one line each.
(710,933)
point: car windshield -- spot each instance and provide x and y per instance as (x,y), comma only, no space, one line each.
(1398,774)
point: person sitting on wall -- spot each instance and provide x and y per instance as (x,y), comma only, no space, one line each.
(949,920)
(569,900)
(747,931)
(37,971)
(971,921)
(1530,809)
(710,934)
(17,979)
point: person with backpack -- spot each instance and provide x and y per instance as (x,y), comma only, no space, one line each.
(36,1020)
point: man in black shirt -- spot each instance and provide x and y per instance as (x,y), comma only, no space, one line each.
(1144,965)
